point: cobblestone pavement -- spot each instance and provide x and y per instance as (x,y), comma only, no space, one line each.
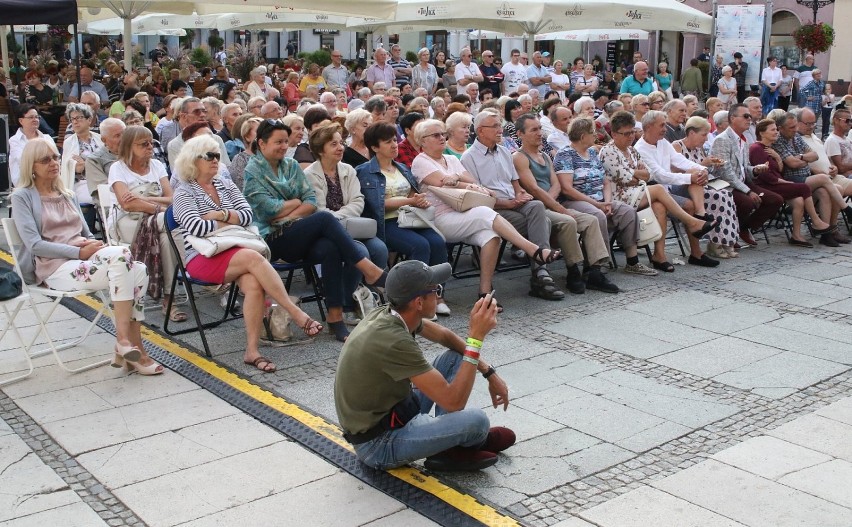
(610,393)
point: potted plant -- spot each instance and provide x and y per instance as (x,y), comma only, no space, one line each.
(814,38)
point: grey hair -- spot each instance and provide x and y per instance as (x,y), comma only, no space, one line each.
(748,100)
(79,108)
(355,117)
(782,119)
(185,102)
(422,50)
(720,117)
(92,94)
(421,128)
(613,106)
(189,153)
(525,97)
(652,117)
(727,68)
(581,104)
(364,91)
(669,106)
(459,120)
(815,71)
(482,116)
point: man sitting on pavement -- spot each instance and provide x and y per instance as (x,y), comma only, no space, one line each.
(537,177)
(490,163)
(383,416)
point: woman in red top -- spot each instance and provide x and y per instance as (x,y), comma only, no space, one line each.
(797,195)
(291,91)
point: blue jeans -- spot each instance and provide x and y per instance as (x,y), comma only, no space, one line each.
(426,435)
(425,245)
(372,248)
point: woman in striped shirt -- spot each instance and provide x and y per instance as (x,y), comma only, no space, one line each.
(205,203)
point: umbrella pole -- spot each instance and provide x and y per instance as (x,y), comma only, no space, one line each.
(4,47)
(77,57)
(128,47)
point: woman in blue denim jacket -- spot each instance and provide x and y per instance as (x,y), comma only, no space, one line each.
(387,186)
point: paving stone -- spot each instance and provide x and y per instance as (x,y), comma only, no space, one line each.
(74,515)
(776,292)
(770,457)
(668,402)
(555,444)
(679,306)
(649,506)
(750,499)
(526,425)
(831,481)
(344,500)
(815,326)
(804,285)
(784,370)
(785,339)
(406,517)
(602,418)
(818,433)
(715,357)
(36,486)
(839,411)
(814,271)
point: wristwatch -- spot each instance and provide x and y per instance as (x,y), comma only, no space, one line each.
(489,372)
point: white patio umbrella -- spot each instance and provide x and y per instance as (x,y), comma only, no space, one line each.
(533,17)
(595,35)
(150,24)
(279,20)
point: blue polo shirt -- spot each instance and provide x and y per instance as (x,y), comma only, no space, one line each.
(634,87)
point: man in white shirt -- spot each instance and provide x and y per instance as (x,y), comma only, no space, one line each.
(660,158)
(558,139)
(466,70)
(538,76)
(805,125)
(838,147)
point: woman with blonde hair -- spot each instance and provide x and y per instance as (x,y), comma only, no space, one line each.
(205,203)
(214,112)
(656,100)
(297,132)
(142,192)
(247,134)
(60,252)
(458,133)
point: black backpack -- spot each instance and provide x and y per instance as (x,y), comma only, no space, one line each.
(10,284)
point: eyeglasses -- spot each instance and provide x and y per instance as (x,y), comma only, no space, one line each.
(210,156)
(644,104)
(438,289)
(145,144)
(492,126)
(46,160)
(808,124)
(35,117)
(255,107)
(199,111)
(626,134)
(443,135)
(746,116)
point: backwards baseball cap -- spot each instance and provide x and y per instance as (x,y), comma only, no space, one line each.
(545,54)
(410,279)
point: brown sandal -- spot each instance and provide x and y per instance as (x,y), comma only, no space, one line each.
(268,365)
(175,315)
(312,328)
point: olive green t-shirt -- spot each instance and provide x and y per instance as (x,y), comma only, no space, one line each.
(373,371)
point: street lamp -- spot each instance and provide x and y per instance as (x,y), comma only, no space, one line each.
(815,5)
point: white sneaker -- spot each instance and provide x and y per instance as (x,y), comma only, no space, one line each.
(350,318)
(443,309)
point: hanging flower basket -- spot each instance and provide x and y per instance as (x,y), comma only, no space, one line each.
(814,38)
(59,33)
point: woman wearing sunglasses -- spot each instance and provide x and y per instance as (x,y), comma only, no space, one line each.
(204,203)
(285,211)
(142,193)
(59,251)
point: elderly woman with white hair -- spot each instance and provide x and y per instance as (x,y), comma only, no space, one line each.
(584,107)
(257,86)
(438,107)
(60,252)
(424,75)
(356,152)
(297,132)
(479,226)
(77,147)
(458,133)
(205,203)
(214,112)
(727,85)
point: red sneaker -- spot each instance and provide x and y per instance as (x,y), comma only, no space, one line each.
(499,439)
(460,459)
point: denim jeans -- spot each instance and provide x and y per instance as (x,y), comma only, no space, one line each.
(425,245)
(426,435)
(372,248)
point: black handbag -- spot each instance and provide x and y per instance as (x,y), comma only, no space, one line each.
(10,284)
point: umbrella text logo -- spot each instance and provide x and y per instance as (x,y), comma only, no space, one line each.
(576,11)
(427,11)
(634,15)
(693,24)
(272,16)
(506,11)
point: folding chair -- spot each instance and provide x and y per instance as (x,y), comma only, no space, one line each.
(106,199)
(311,278)
(455,251)
(13,239)
(182,276)
(675,235)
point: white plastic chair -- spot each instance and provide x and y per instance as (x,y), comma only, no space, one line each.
(13,239)
(19,302)
(106,199)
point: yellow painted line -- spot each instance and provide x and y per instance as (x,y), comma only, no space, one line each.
(458,500)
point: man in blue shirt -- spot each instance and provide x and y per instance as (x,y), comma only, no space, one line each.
(639,82)
(538,76)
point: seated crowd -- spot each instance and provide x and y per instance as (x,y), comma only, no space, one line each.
(347,172)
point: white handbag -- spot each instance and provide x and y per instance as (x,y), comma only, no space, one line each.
(649,227)
(228,237)
(462,200)
(416,218)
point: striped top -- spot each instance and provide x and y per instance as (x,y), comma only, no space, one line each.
(190,202)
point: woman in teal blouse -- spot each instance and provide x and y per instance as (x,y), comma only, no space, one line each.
(285,211)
